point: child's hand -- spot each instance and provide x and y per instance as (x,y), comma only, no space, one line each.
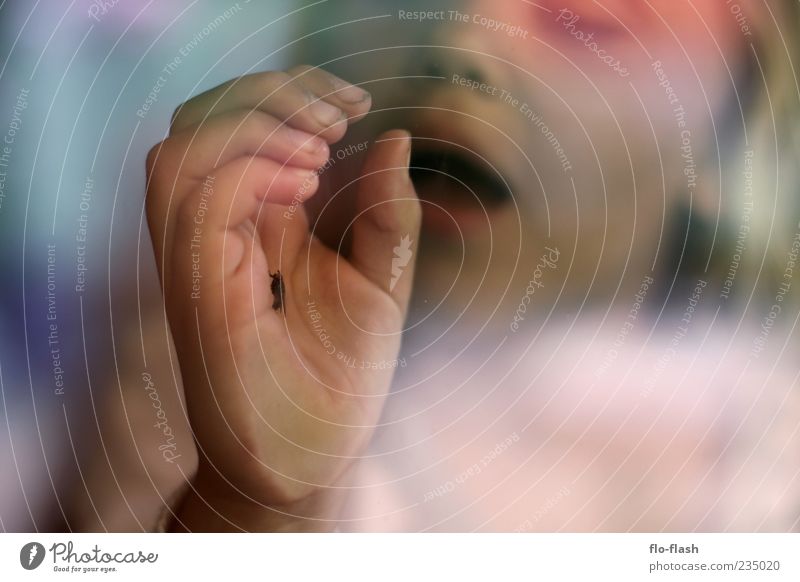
(280,399)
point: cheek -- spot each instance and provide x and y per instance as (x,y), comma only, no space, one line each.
(695,46)
(584,33)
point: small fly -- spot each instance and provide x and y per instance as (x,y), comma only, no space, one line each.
(278,290)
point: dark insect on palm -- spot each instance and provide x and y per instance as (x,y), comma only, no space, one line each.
(278,290)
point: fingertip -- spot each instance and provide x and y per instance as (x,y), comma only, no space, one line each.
(408,153)
(405,156)
(292,185)
(304,176)
(400,139)
(359,110)
(305,141)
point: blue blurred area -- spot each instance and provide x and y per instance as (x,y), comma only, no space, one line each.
(85,92)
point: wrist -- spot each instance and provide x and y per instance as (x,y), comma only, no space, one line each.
(212,504)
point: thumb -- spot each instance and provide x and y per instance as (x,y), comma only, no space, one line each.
(388,215)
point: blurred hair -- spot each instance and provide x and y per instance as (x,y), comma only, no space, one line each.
(773,134)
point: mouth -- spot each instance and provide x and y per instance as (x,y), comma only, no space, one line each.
(456,187)
(454,177)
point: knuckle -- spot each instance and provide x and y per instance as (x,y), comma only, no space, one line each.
(402,214)
(150,210)
(255,124)
(178,114)
(274,81)
(161,172)
(152,158)
(385,218)
(300,70)
(187,210)
(414,209)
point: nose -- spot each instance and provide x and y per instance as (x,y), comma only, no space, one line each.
(457,47)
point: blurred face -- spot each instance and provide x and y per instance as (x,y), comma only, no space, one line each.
(564,124)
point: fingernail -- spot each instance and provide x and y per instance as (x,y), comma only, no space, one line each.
(303,173)
(347,91)
(325,113)
(306,141)
(352,94)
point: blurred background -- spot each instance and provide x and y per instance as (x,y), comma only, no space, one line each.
(74,76)
(89,86)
